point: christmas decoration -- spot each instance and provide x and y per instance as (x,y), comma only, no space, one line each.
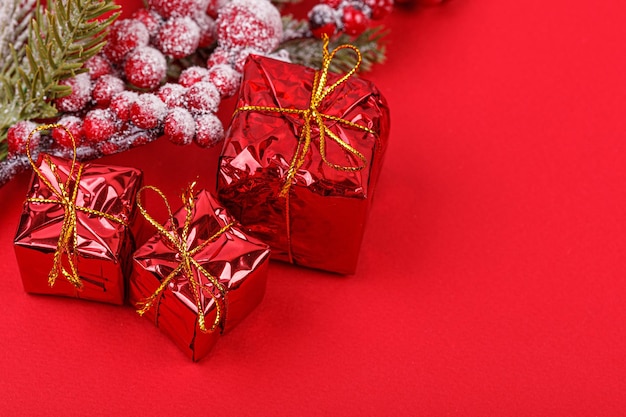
(311,152)
(73,237)
(202,41)
(200,275)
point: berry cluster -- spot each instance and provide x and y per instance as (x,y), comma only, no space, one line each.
(124,99)
(349,16)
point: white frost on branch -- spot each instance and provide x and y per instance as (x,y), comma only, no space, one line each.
(14,18)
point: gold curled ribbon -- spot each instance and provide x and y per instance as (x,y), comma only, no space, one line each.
(66,197)
(187,261)
(312,115)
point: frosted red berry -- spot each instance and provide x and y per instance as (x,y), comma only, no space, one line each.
(99,125)
(209,130)
(203,97)
(179,126)
(249,24)
(178,37)
(108,148)
(173,95)
(79,97)
(354,21)
(220,56)
(145,67)
(175,8)
(124,36)
(17,137)
(105,88)
(98,66)
(147,111)
(75,126)
(121,102)
(151,19)
(379,8)
(193,75)
(323,19)
(225,79)
(208,30)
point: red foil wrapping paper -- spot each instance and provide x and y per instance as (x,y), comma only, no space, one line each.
(104,247)
(239,263)
(322,221)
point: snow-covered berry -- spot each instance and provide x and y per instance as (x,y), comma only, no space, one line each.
(18,135)
(379,8)
(75,126)
(193,75)
(124,36)
(80,96)
(354,21)
(175,8)
(209,130)
(121,102)
(99,125)
(225,79)
(220,56)
(178,37)
(98,66)
(145,67)
(323,19)
(105,88)
(208,30)
(173,95)
(249,24)
(148,111)
(179,126)
(203,97)
(151,19)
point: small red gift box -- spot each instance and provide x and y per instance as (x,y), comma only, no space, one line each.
(73,238)
(301,160)
(200,275)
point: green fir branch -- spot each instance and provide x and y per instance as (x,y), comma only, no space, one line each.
(308,50)
(61,38)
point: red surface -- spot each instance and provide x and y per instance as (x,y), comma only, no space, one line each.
(492,275)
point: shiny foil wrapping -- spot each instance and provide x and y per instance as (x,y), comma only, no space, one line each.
(239,263)
(322,220)
(104,247)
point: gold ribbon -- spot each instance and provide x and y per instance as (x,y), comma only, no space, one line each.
(66,197)
(312,115)
(187,261)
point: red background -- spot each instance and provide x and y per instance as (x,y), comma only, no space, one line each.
(492,274)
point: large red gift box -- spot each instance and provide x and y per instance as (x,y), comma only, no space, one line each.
(74,237)
(304,193)
(199,276)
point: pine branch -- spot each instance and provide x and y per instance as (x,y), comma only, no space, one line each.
(60,39)
(306,50)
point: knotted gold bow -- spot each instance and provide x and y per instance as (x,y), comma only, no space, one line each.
(66,197)
(187,262)
(312,115)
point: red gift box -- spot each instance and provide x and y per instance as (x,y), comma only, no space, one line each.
(301,160)
(73,237)
(199,276)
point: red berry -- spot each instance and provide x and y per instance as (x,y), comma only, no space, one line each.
(214,6)
(121,102)
(178,37)
(108,148)
(18,135)
(150,18)
(193,75)
(174,8)
(380,8)
(203,97)
(354,21)
(78,99)
(323,19)
(125,35)
(249,24)
(225,79)
(209,130)
(208,30)
(173,95)
(220,56)
(99,125)
(180,126)
(147,111)
(332,3)
(98,66)
(145,67)
(105,88)
(240,60)
(75,126)
(329,29)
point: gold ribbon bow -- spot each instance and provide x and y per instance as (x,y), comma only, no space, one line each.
(187,261)
(66,197)
(312,115)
